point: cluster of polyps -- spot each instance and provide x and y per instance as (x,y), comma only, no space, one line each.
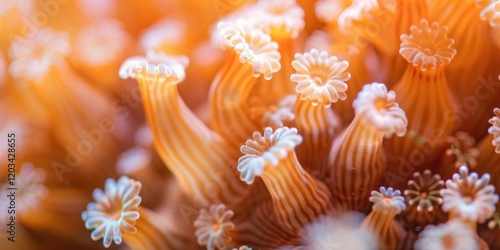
(290,136)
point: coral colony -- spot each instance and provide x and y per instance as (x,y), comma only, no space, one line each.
(238,124)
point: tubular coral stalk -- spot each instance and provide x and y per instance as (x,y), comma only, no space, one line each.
(251,53)
(387,204)
(484,99)
(382,21)
(408,13)
(264,230)
(357,63)
(431,116)
(357,163)
(155,231)
(227,100)
(469,31)
(424,95)
(357,160)
(318,126)
(198,158)
(464,23)
(283,20)
(279,85)
(297,197)
(321,81)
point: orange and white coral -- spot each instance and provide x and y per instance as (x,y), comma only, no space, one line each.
(338,233)
(114,211)
(452,235)
(469,197)
(253,47)
(265,151)
(427,47)
(320,124)
(320,77)
(213,227)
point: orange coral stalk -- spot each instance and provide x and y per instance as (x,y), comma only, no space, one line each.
(283,20)
(264,229)
(386,205)
(382,21)
(424,95)
(408,13)
(463,18)
(156,231)
(198,157)
(357,159)
(297,197)
(320,82)
(251,54)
